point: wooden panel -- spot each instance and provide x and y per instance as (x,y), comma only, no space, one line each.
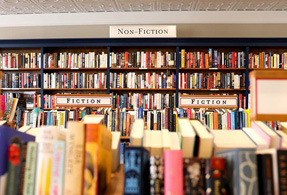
(268,95)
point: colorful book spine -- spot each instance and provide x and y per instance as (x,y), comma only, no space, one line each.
(30,169)
(58,160)
(156,175)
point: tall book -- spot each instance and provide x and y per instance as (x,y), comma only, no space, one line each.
(48,135)
(74,161)
(30,169)
(241,170)
(136,171)
(265,174)
(173,172)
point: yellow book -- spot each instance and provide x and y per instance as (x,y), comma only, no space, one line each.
(272,62)
(247,111)
(183,58)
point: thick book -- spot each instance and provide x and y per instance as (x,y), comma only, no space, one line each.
(30,168)
(156,175)
(58,168)
(116,140)
(6,135)
(256,138)
(265,174)
(194,176)
(74,159)
(173,172)
(47,136)
(137,131)
(156,148)
(241,171)
(136,171)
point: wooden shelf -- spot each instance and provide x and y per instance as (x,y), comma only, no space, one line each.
(20,89)
(72,69)
(266,69)
(21,69)
(75,89)
(125,137)
(140,89)
(212,89)
(213,69)
(144,69)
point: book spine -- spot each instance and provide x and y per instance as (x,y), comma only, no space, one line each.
(156,175)
(282,170)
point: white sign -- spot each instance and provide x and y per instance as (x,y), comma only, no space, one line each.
(135,31)
(195,101)
(83,100)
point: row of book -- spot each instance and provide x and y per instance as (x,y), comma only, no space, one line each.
(75,60)
(75,80)
(216,80)
(150,80)
(20,60)
(211,59)
(143,59)
(203,161)
(21,80)
(55,158)
(267,60)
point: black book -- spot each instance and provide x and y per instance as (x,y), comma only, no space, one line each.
(282,170)
(151,121)
(136,171)
(158,120)
(265,174)
(174,122)
(170,119)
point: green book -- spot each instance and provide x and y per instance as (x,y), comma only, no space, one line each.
(30,169)
(219,121)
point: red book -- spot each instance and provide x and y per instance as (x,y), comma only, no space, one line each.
(173,172)
(185,84)
(35,100)
(150,59)
(118,101)
(233,59)
(126,59)
(240,101)
(193,60)
(228,121)
(244,102)
(146,59)
(202,60)
(190,59)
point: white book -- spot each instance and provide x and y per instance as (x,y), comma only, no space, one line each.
(137,132)
(224,121)
(147,139)
(205,144)
(259,141)
(284,138)
(276,139)
(166,142)
(116,140)
(47,136)
(186,137)
(231,139)
(174,141)
(156,143)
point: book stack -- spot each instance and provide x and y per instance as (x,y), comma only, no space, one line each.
(267,60)
(211,59)
(20,60)
(149,80)
(215,80)
(75,80)
(75,60)
(21,80)
(142,59)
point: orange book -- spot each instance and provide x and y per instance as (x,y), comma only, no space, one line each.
(206,60)
(126,59)
(215,120)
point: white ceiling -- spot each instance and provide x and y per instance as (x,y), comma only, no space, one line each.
(11,7)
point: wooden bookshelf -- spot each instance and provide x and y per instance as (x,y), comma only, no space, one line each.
(20,89)
(74,69)
(21,69)
(142,89)
(125,137)
(75,89)
(213,69)
(212,89)
(143,69)
(266,69)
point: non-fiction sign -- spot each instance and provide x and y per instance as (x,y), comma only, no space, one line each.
(268,95)
(208,101)
(140,31)
(70,100)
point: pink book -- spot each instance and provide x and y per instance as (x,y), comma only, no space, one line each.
(261,133)
(173,172)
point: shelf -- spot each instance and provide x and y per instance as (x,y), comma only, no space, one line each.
(213,69)
(20,89)
(75,89)
(72,69)
(126,69)
(266,69)
(142,89)
(212,89)
(20,69)
(125,137)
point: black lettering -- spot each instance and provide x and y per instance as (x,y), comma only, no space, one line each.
(192,101)
(165,31)
(78,101)
(224,102)
(83,101)
(140,30)
(147,31)
(208,101)
(120,31)
(126,32)
(202,101)
(92,101)
(160,31)
(98,101)
(68,100)
(217,101)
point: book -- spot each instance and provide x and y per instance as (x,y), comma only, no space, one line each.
(30,168)
(47,136)
(174,141)
(166,140)
(58,168)
(265,174)
(136,171)
(241,170)
(156,148)
(115,150)
(204,143)
(147,140)
(156,175)
(187,137)
(173,172)
(8,108)
(6,136)
(137,131)
(259,141)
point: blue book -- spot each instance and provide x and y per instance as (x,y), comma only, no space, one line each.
(181,113)
(140,112)
(232,120)
(6,135)
(215,59)
(241,171)
(122,151)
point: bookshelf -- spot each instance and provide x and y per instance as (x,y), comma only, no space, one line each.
(108,46)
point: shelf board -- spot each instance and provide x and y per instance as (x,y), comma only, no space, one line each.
(21,69)
(147,69)
(72,69)
(75,89)
(140,89)
(125,137)
(266,69)
(20,89)
(213,69)
(212,89)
